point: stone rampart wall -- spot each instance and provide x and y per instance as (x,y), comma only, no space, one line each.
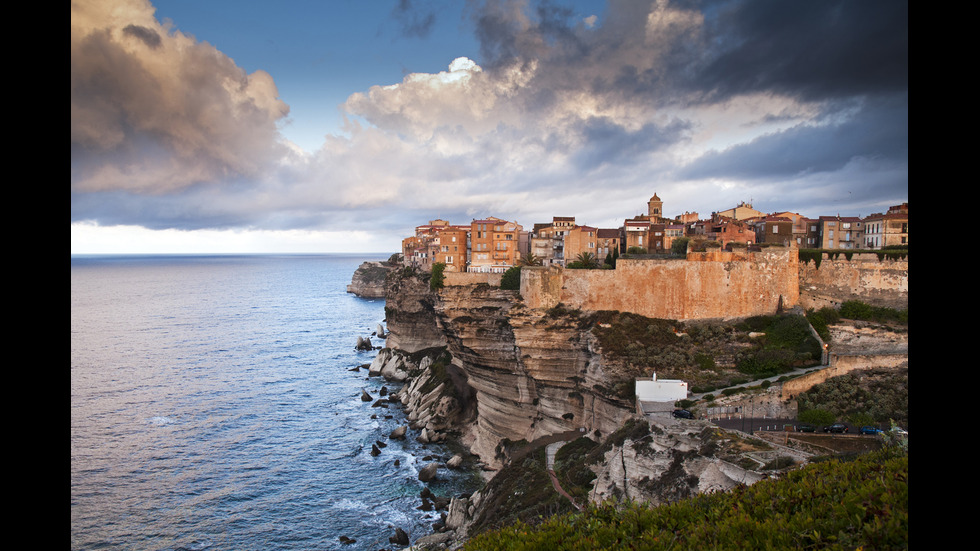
(712,285)
(457,279)
(863,277)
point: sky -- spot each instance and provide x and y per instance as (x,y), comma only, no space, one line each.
(308,126)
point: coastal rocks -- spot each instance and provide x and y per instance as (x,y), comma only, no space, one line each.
(400,537)
(455,461)
(391,365)
(364,343)
(428,473)
(398,433)
(437,540)
(365,397)
(368,280)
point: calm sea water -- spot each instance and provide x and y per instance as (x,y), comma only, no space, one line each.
(213,407)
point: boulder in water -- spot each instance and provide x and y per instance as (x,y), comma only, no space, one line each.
(428,472)
(400,537)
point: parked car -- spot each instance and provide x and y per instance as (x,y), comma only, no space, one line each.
(806,427)
(871,430)
(683,414)
(837,428)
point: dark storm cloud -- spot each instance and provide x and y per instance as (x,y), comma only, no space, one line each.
(816,50)
(606,142)
(708,51)
(876,131)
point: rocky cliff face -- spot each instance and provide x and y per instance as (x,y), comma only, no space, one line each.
(524,373)
(368,280)
(532,374)
(410,314)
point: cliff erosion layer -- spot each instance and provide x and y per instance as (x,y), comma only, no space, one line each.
(526,373)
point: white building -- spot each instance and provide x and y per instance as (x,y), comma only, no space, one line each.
(651,389)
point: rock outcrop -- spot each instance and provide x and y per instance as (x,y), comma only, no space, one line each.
(673,462)
(368,280)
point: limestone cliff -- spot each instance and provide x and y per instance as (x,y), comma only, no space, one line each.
(368,280)
(523,373)
(410,314)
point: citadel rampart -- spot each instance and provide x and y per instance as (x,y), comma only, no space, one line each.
(864,277)
(714,285)
(457,279)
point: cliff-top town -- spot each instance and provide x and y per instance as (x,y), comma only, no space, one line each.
(495,245)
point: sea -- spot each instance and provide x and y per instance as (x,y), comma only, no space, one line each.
(214,406)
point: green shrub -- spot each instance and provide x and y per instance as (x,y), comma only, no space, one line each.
(704,361)
(858,504)
(821,318)
(679,246)
(817,417)
(511,280)
(857,310)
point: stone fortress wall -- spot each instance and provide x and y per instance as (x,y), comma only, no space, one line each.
(865,277)
(720,284)
(712,285)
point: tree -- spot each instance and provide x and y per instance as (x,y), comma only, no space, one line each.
(585,260)
(529,259)
(679,246)
(438,279)
(511,280)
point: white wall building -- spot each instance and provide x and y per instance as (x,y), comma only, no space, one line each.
(651,389)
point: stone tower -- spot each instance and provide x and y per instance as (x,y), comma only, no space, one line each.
(656,208)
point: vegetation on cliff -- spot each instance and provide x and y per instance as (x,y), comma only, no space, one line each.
(868,397)
(891,252)
(511,280)
(709,355)
(837,504)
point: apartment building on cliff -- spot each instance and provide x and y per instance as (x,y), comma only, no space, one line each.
(839,232)
(890,228)
(495,245)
